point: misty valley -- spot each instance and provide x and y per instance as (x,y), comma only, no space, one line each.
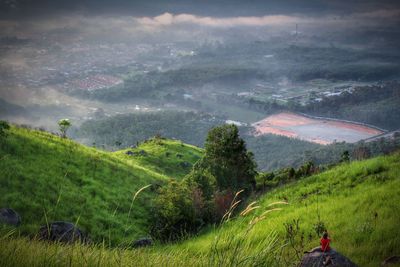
(199,134)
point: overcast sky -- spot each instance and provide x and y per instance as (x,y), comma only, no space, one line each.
(217,8)
(184,19)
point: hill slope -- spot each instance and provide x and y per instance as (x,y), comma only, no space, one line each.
(357,202)
(45,177)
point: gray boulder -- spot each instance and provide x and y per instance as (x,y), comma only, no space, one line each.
(9,216)
(393,260)
(64,232)
(142,242)
(316,258)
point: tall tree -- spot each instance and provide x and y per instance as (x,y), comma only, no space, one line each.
(228,160)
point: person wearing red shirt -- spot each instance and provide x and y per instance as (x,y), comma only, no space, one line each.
(326,248)
(325,242)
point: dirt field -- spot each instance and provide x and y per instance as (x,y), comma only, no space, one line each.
(313,130)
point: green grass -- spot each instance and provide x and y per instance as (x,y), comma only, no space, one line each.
(45,177)
(357,202)
(347,199)
(172,158)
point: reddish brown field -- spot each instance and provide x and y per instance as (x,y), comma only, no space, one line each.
(313,130)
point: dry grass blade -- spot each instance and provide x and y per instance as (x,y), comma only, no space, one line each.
(235,205)
(271,210)
(262,216)
(140,190)
(134,197)
(248,210)
(237,194)
(232,207)
(278,203)
(257,219)
(228,213)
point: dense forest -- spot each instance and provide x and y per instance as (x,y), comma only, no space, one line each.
(271,152)
(126,130)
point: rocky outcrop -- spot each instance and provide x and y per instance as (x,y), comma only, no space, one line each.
(62,232)
(9,216)
(142,242)
(316,258)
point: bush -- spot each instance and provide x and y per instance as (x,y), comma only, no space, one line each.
(4,127)
(174,215)
(206,193)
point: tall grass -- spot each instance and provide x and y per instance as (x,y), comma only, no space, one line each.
(356,202)
(229,248)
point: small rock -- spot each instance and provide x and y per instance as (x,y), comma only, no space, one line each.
(129,153)
(63,232)
(316,259)
(142,153)
(9,216)
(391,260)
(185,164)
(142,242)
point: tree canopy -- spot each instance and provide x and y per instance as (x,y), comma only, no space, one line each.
(228,160)
(64,124)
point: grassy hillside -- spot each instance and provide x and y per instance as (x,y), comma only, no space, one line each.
(169,157)
(44,177)
(357,202)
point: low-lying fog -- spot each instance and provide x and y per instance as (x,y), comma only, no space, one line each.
(94,60)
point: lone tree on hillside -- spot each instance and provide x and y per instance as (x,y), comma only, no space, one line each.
(228,160)
(64,125)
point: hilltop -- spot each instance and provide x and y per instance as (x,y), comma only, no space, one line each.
(46,178)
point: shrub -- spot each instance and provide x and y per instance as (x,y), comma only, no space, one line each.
(174,213)
(4,127)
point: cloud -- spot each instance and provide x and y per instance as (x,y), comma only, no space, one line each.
(379,14)
(367,18)
(168,19)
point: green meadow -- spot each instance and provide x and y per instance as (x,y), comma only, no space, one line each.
(47,178)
